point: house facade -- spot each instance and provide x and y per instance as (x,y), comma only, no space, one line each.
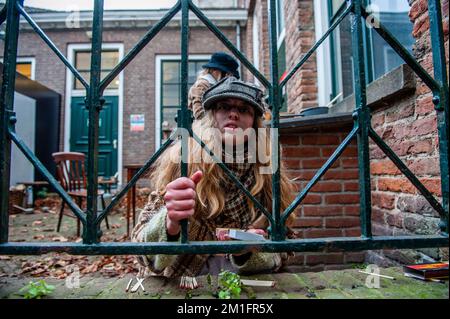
(402,114)
(142,101)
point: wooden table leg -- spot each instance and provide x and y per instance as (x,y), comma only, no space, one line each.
(134,205)
(128,203)
(128,213)
(80,204)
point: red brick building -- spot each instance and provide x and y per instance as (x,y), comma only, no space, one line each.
(146,92)
(402,114)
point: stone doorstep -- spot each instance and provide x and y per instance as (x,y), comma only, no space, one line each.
(333,284)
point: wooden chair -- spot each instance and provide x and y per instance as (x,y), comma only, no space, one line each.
(72,176)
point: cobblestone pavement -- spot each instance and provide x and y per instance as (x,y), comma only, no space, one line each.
(107,277)
(333,284)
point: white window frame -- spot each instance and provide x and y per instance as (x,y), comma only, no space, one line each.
(324,70)
(33,65)
(324,58)
(386,51)
(32,60)
(71,49)
(281,33)
(256,42)
(158,82)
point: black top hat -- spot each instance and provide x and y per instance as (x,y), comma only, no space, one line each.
(223,62)
(230,87)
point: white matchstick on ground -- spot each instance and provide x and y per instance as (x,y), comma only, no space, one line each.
(374,274)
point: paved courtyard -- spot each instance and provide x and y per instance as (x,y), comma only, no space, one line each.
(108,276)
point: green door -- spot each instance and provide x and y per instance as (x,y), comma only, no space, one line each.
(108,132)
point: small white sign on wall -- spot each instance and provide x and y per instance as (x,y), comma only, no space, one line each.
(137,122)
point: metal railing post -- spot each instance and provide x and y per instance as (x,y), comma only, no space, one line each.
(184,118)
(362,118)
(94,103)
(441,100)
(7,114)
(277,230)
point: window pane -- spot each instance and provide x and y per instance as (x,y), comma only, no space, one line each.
(280,16)
(83,63)
(171,95)
(83,60)
(169,117)
(86,77)
(282,72)
(109,59)
(114,83)
(380,57)
(24,68)
(171,72)
(337,4)
(394,16)
(341,59)
(192,73)
(392,5)
(171,86)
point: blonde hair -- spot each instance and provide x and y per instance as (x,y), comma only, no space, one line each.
(210,195)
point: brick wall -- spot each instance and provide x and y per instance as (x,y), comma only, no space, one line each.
(139,75)
(409,127)
(331,208)
(300,37)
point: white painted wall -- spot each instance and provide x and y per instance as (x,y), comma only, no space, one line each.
(21,168)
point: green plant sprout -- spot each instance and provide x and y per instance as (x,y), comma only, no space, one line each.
(230,285)
(36,290)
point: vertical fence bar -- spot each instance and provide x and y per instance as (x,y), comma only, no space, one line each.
(184,115)
(441,99)
(91,233)
(362,116)
(277,230)
(7,110)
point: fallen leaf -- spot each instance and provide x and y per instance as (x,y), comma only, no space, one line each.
(60,263)
(109,266)
(37,222)
(40,236)
(59,238)
(38,272)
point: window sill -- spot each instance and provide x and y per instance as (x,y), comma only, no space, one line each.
(381,92)
(298,124)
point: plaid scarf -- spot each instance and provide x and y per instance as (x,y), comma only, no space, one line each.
(235,214)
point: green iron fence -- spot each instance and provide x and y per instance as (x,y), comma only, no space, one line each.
(362,130)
